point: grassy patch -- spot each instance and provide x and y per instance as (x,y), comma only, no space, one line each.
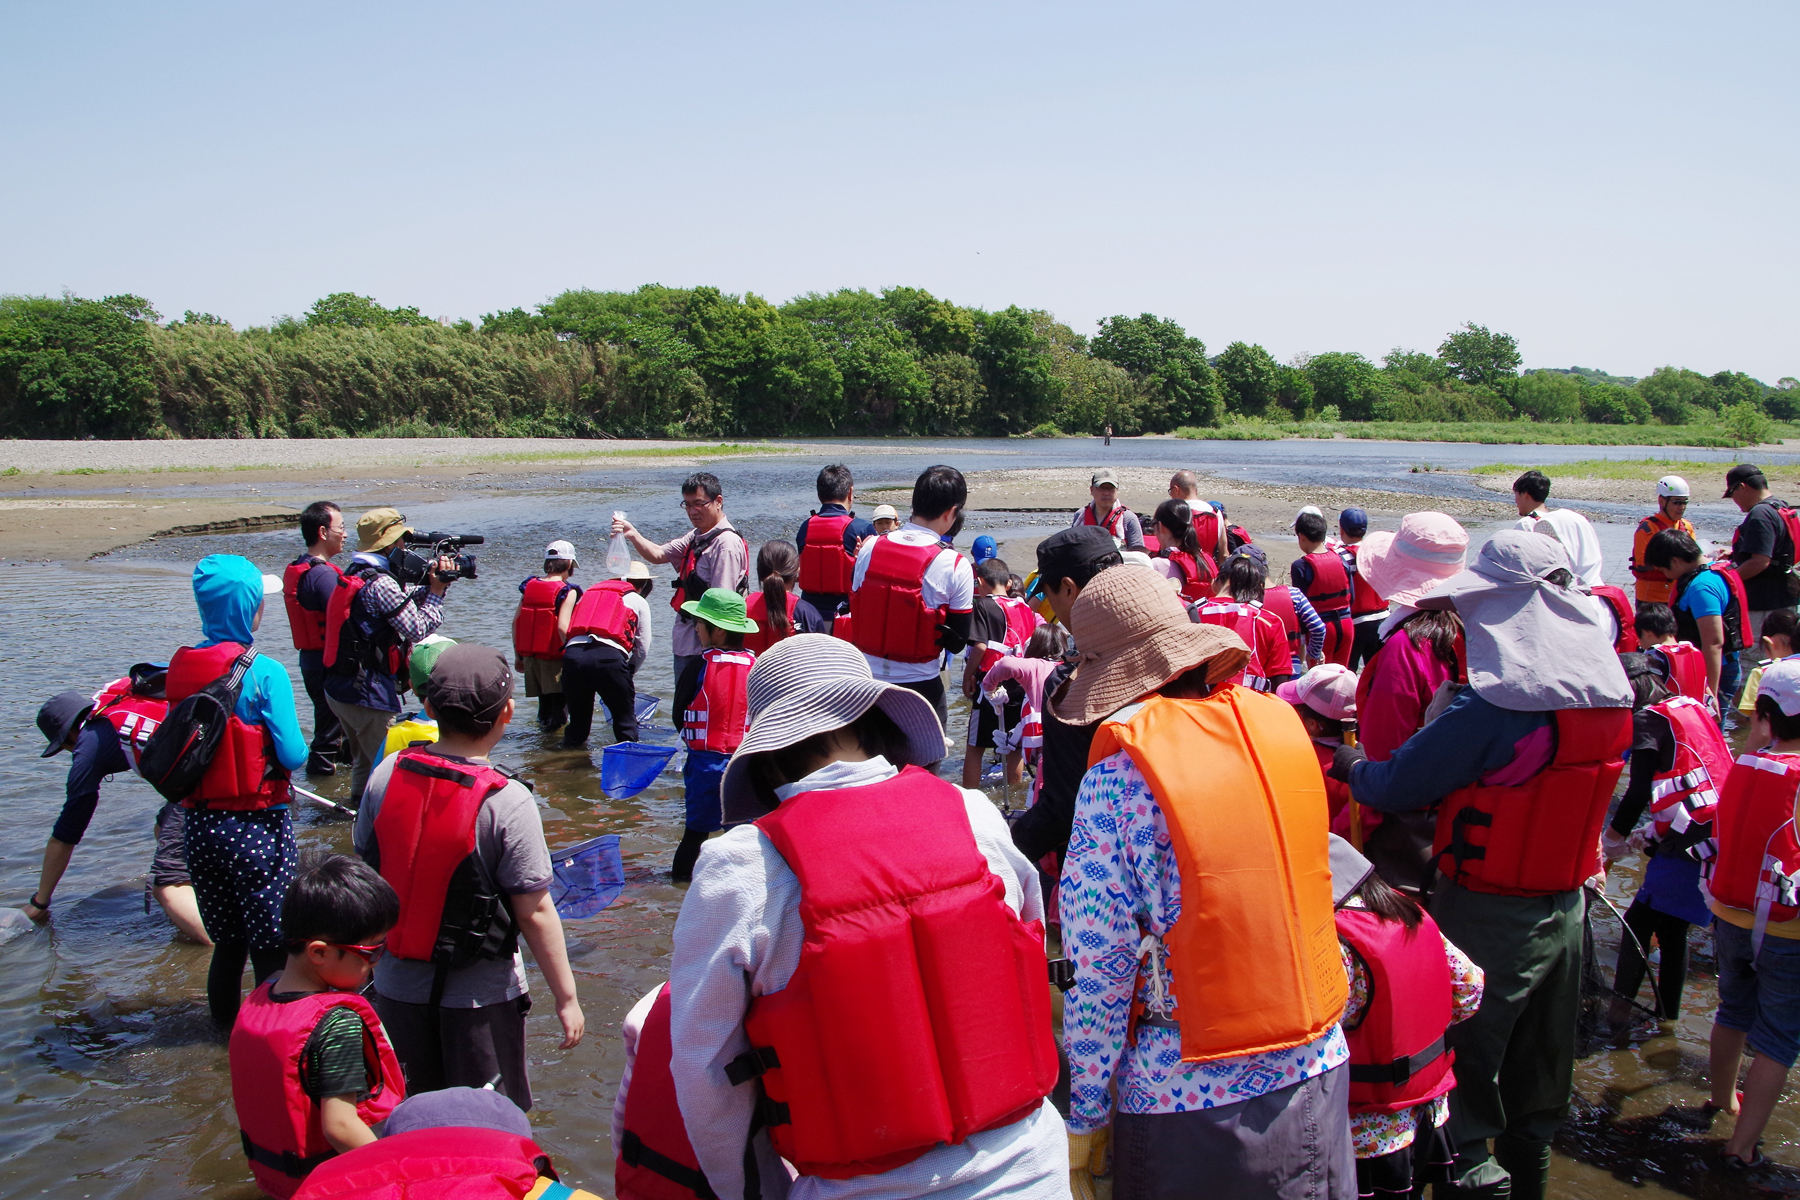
(698,450)
(1615,468)
(1493,433)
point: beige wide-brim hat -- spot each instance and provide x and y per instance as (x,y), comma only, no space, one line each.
(1134,636)
(379,528)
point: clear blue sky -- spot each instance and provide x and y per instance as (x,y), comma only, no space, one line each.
(1614,184)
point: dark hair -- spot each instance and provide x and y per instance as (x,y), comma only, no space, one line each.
(336,898)
(1176,517)
(835,483)
(778,566)
(704,482)
(733,639)
(938,490)
(1438,627)
(993,572)
(1658,620)
(1668,546)
(1245,579)
(1644,671)
(1328,726)
(1784,727)
(1048,641)
(1533,483)
(458,721)
(315,519)
(1781,622)
(1388,902)
(875,733)
(1015,583)
(1310,526)
(1191,684)
(553,565)
(1081,574)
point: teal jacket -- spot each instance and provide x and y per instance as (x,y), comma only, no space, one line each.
(228,589)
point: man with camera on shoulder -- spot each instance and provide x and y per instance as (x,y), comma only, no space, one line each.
(389,599)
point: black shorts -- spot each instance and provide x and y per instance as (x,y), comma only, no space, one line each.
(461,1047)
(984,722)
(168,867)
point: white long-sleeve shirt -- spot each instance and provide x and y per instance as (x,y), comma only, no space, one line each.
(739,936)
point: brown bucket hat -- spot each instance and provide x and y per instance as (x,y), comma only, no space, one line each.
(1134,636)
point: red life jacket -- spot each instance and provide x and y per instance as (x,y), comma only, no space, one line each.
(244,775)
(1624,612)
(1206,525)
(1197,573)
(1397,1053)
(918,1012)
(134,717)
(1329,590)
(307,626)
(1021,623)
(425,848)
(888,611)
(654,1159)
(277,1120)
(534,625)
(825,566)
(1278,600)
(1261,633)
(1790,523)
(1687,794)
(689,585)
(1687,668)
(766,635)
(1152,545)
(1542,837)
(719,713)
(602,612)
(449,1163)
(1114,523)
(1736,616)
(1752,860)
(1364,600)
(342,638)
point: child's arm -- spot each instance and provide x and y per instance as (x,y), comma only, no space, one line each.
(342,1127)
(543,932)
(971,668)
(565,612)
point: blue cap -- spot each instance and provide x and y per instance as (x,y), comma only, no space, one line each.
(1353,520)
(983,549)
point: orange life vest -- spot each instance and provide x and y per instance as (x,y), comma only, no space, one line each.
(306,626)
(1255,950)
(825,566)
(244,775)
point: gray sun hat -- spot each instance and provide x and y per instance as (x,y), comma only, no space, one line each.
(809,684)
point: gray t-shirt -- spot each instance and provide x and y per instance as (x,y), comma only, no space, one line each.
(510,854)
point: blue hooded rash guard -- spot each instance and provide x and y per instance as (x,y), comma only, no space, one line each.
(228,589)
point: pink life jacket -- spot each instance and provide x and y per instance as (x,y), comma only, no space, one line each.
(1397,1053)
(1687,794)
(447,1162)
(720,712)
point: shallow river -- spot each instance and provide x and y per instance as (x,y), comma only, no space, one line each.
(113,1082)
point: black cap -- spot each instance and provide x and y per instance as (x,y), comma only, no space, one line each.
(59,717)
(1073,551)
(472,680)
(1744,473)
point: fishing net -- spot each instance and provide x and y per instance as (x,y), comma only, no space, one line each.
(1605,1016)
(587,877)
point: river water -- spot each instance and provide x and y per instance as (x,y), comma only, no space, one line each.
(113,1082)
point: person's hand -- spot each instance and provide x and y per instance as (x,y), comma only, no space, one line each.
(1613,847)
(37,914)
(442,571)
(621,525)
(1087,1158)
(1342,759)
(574,1025)
(518,662)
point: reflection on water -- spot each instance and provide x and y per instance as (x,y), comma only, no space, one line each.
(111,1076)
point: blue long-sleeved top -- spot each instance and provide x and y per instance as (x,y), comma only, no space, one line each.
(1472,741)
(1310,621)
(96,755)
(228,592)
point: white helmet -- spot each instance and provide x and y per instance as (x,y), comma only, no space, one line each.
(1672,485)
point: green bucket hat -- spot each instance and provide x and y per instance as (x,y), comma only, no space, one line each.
(424,657)
(722,607)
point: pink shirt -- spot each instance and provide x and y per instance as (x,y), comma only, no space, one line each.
(1394,691)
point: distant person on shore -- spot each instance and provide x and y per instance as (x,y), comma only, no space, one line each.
(827,542)
(1209,523)
(712,554)
(1762,547)
(540,624)
(1574,531)
(306,588)
(1104,510)
(911,596)
(1672,495)
(1325,579)
(1367,609)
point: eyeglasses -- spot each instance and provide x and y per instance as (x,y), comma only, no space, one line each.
(697,505)
(367,953)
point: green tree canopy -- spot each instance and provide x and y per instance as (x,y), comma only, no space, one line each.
(76,368)
(1174,364)
(1246,378)
(1347,381)
(351,311)
(1673,393)
(1476,355)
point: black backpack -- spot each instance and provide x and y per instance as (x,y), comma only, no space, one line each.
(178,753)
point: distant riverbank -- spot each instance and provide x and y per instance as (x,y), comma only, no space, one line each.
(1492,433)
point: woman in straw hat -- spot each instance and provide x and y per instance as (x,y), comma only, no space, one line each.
(859,965)
(1198,890)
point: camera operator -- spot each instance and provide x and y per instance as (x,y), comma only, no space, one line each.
(713,554)
(400,601)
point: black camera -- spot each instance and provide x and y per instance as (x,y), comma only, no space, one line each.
(448,545)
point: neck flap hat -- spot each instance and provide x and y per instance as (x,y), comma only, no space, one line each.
(1533,645)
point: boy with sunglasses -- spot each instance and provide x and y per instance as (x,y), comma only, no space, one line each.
(304,1086)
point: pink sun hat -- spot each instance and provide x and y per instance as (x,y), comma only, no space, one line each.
(1329,689)
(1403,566)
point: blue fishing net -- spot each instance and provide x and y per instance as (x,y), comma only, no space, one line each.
(587,876)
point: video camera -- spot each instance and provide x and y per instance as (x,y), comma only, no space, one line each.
(448,545)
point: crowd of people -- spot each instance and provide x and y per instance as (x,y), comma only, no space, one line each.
(1317,845)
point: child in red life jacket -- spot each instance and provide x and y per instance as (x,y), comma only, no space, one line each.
(1751,868)
(999,627)
(1408,984)
(311,1068)
(711,704)
(778,608)
(1325,698)
(540,626)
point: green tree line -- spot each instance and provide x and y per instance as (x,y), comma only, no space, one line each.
(698,362)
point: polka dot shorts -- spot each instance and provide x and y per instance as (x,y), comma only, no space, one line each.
(242,864)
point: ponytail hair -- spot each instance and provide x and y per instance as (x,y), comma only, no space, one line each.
(778,566)
(1178,519)
(1388,902)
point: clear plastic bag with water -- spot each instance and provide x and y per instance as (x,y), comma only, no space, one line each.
(618,552)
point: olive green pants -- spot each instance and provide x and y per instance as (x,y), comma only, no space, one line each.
(1515,1058)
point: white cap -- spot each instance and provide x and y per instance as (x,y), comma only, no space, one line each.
(1781,683)
(884,512)
(1673,485)
(1311,508)
(271,585)
(560,549)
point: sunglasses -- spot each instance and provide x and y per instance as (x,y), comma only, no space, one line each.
(1677,501)
(367,953)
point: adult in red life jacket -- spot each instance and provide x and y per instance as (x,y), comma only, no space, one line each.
(1709,611)
(713,554)
(1679,761)
(1000,627)
(311,1068)
(462,844)
(541,626)
(1325,700)
(1763,547)
(607,641)
(1209,520)
(240,842)
(711,709)
(1752,879)
(389,599)
(1521,765)
(306,587)
(1367,609)
(827,541)
(864,1094)
(1239,608)
(1323,576)
(103,733)
(777,607)
(1104,510)
(912,595)
(1180,555)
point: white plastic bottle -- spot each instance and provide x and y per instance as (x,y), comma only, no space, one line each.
(618,553)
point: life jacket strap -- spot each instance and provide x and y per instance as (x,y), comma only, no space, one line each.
(1401,1070)
(751,1064)
(633,1153)
(1062,973)
(287,1162)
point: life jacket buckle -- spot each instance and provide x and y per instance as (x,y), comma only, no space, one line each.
(751,1064)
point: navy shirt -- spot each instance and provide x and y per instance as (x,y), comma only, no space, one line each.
(96,755)
(827,602)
